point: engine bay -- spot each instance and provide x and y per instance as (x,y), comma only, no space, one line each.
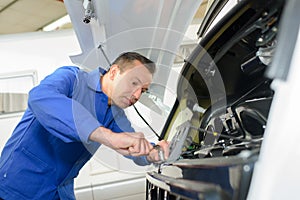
(224,96)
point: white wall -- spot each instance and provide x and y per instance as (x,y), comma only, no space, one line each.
(42,51)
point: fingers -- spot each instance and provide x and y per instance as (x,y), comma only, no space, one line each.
(159,155)
(154,154)
(160,152)
(124,152)
(133,144)
(140,147)
(165,148)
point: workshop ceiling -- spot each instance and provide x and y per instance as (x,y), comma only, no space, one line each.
(17,16)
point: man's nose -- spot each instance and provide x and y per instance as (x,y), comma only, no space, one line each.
(137,94)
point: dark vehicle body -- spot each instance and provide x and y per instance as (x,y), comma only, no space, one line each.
(226,84)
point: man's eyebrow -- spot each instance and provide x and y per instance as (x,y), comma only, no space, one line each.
(144,89)
(137,78)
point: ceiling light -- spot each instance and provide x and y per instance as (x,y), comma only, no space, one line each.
(57,24)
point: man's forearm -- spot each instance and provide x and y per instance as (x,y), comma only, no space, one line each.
(103,136)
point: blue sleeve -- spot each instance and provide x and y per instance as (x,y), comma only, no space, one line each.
(52,104)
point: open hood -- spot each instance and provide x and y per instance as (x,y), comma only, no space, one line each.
(152,28)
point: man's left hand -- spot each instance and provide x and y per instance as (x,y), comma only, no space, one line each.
(159,153)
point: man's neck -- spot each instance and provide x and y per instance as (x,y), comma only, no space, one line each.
(104,86)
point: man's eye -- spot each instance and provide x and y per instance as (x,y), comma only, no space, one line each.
(134,83)
(144,90)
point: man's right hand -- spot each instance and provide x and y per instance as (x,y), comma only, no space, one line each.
(133,144)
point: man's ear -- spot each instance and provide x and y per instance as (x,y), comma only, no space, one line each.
(113,70)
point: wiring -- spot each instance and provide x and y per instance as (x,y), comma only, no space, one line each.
(158,136)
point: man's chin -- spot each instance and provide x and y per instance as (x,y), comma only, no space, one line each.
(123,105)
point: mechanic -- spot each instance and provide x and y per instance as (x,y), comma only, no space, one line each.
(69,115)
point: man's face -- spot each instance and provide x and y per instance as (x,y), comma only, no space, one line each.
(130,84)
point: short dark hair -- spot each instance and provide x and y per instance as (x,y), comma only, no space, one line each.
(128,57)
